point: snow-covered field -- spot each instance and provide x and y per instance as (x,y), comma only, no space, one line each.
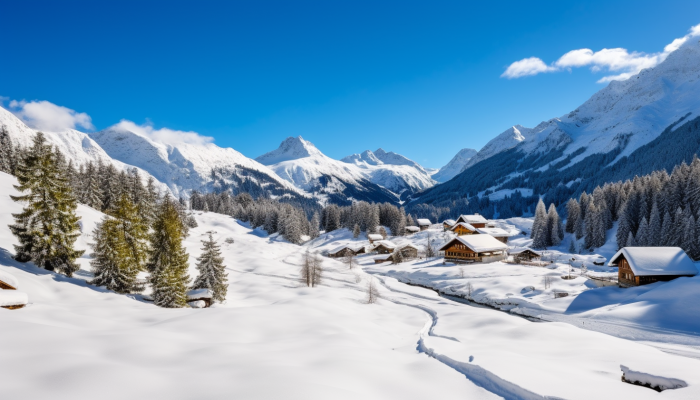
(276,339)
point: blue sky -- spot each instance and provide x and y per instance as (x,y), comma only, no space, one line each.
(420,78)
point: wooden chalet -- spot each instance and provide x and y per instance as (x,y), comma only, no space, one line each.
(448,224)
(346,250)
(410,230)
(474,248)
(524,254)
(498,233)
(475,220)
(374,237)
(383,247)
(423,223)
(463,228)
(644,265)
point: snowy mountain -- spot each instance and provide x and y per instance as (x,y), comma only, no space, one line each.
(455,166)
(299,162)
(185,167)
(392,170)
(649,121)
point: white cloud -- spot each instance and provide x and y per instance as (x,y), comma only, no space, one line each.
(526,67)
(164,135)
(620,61)
(44,115)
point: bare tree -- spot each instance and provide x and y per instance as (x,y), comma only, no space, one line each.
(372,291)
(349,260)
(311,269)
(461,272)
(547,282)
(470,290)
(397,256)
(429,249)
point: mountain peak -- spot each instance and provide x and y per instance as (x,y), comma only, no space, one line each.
(291,148)
(455,166)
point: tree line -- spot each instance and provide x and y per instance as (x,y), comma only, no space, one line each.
(142,231)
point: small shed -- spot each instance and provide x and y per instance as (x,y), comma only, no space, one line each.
(644,265)
(463,228)
(199,298)
(345,250)
(475,220)
(380,260)
(524,254)
(410,230)
(423,223)
(448,224)
(474,248)
(384,247)
(498,233)
(374,237)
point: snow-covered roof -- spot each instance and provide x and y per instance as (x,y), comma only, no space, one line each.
(13,298)
(9,279)
(375,236)
(200,294)
(518,250)
(478,243)
(472,218)
(385,243)
(413,229)
(449,222)
(411,245)
(495,232)
(650,261)
(353,247)
(465,225)
(423,222)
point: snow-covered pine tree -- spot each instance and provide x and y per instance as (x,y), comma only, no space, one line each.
(654,225)
(147,207)
(688,237)
(47,227)
(167,258)
(630,240)
(313,226)
(554,228)
(666,238)
(108,185)
(677,230)
(382,231)
(6,150)
(356,231)
(572,246)
(642,237)
(90,194)
(212,271)
(573,213)
(539,232)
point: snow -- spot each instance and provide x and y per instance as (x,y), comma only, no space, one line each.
(481,243)
(13,298)
(200,294)
(423,222)
(275,338)
(495,232)
(652,380)
(455,166)
(650,261)
(197,304)
(502,193)
(375,236)
(9,279)
(472,219)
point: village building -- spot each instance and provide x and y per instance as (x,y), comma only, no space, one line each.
(644,265)
(475,220)
(474,248)
(383,247)
(346,250)
(199,298)
(410,230)
(448,224)
(524,254)
(423,223)
(463,228)
(408,252)
(498,233)
(374,237)
(380,260)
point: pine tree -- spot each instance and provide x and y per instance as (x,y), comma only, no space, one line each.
(212,274)
(313,226)
(642,237)
(539,232)
(666,238)
(356,231)
(382,231)
(630,240)
(572,246)
(47,227)
(654,225)
(554,228)
(90,194)
(573,213)
(167,258)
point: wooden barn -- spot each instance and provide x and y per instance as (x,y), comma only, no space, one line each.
(410,230)
(448,224)
(408,252)
(383,247)
(463,228)
(423,223)
(374,237)
(524,254)
(475,220)
(474,248)
(346,250)
(644,265)
(498,233)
